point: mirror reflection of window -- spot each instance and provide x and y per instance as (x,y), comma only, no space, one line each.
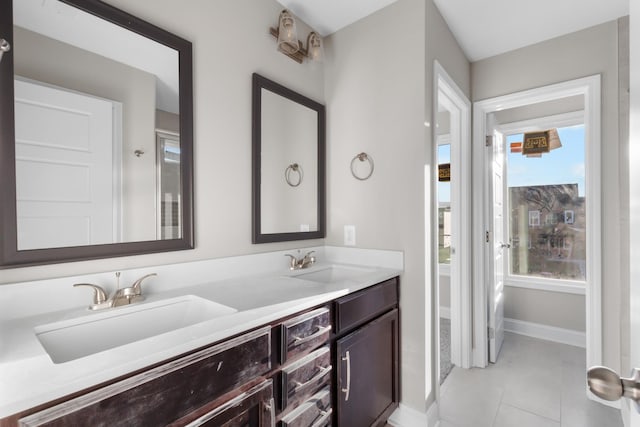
(444,209)
(170,220)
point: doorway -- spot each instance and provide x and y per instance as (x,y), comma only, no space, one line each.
(452,204)
(488,270)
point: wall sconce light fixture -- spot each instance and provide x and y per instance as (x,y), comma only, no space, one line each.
(289,44)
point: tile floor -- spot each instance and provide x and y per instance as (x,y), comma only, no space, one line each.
(535,383)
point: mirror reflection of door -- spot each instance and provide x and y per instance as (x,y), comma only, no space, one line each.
(65,194)
(168,166)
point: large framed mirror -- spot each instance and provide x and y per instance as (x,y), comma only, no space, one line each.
(288,131)
(96,134)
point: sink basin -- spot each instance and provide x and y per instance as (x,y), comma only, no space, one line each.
(333,274)
(71,339)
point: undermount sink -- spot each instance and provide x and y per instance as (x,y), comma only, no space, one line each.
(333,273)
(71,339)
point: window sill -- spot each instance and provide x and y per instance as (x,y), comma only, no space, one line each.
(550,285)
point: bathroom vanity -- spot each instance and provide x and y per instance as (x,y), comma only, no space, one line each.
(326,356)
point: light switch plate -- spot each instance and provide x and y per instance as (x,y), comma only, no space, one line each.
(349,235)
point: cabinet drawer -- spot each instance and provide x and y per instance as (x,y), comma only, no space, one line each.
(303,333)
(314,412)
(358,308)
(170,391)
(254,407)
(305,376)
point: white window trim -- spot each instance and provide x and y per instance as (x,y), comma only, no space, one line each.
(563,120)
(544,284)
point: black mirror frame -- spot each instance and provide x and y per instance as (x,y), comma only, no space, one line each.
(259,83)
(10,256)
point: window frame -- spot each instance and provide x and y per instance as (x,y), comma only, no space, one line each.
(553,121)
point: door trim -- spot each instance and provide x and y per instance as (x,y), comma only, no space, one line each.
(461,326)
(589,87)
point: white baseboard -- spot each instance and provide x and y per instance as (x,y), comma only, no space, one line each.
(445,312)
(549,333)
(405,416)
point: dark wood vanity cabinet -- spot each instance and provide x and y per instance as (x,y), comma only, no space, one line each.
(332,365)
(367,356)
(178,392)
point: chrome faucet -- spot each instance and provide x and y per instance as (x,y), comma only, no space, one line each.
(120,297)
(300,263)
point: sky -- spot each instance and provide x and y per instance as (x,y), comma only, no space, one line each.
(564,165)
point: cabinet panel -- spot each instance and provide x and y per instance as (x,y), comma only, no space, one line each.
(303,333)
(254,408)
(368,372)
(358,308)
(168,392)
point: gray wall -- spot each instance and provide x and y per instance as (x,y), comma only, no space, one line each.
(580,54)
(222,123)
(375,89)
(558,309)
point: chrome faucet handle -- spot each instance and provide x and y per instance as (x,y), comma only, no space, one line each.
(99,295)
(293,262)
(137,284)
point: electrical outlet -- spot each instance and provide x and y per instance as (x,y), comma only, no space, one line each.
(349,235)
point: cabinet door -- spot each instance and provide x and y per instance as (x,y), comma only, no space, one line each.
(368,371)
(254,408)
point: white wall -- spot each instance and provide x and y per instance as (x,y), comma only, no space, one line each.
(231,40)
(580,54)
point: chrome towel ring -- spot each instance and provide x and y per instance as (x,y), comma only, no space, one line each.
(4,47)
(293,167)
(362,157)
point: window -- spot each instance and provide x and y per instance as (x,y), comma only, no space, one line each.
(550,219)
(534,218)
(551,188)
(568,217)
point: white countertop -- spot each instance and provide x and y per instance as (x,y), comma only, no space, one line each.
(28,377)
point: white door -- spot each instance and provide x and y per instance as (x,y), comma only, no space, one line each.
(64,178)
(497,263)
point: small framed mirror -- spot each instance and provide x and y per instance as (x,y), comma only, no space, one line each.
(95,134)
(288,131)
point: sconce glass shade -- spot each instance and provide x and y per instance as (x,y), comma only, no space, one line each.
(315,50)
(287,34)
